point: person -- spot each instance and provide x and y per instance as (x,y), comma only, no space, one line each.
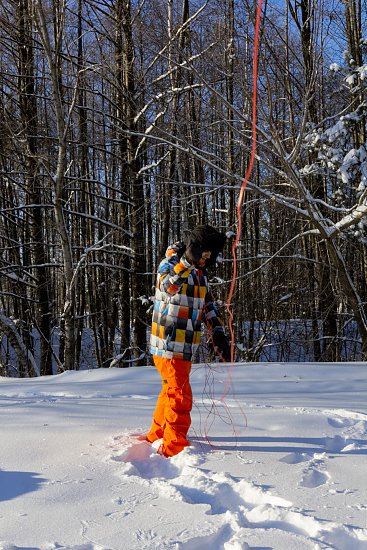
(182,302)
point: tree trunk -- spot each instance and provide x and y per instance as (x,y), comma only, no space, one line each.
(123,215)
(53,55)
(327,310)
(138,281)
(29,117)
(25,358)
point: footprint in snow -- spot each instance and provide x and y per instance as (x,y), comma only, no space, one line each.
(295,458)
(340,422)
(140,459)
(338,444)
(314,478)
(353,423)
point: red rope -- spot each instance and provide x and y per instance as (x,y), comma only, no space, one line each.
(244,185)
(214,409)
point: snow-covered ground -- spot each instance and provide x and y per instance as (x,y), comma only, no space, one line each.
(284,466)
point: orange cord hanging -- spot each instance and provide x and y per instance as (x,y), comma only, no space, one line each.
(244,185)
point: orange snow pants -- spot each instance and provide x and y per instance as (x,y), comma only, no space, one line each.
(171,419)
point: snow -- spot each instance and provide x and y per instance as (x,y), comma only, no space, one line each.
(350,159)
(283,465)
(335,67)
(363,72)
(351,79)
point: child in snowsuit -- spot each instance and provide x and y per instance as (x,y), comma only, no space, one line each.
(182,302)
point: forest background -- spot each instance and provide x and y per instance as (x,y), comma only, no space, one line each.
(123,124)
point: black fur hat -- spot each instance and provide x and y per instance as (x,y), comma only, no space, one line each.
(207,238)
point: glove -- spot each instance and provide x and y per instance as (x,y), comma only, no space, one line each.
(193,253)
(221,345)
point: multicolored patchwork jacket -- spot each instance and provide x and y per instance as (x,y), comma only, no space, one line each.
(182,302)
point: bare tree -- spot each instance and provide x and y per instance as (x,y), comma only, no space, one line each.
(63,119)
(29,118)
(124,124)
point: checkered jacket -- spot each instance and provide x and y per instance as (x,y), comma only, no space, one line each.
(182,302)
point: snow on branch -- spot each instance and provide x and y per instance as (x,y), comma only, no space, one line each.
(97,247)
(179,31)
(351,219)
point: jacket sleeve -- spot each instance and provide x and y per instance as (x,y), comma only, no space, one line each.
(212,317)
(173,273)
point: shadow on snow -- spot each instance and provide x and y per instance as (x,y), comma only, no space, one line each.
(331,445)
(15,484)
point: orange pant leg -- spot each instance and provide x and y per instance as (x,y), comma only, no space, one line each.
(156,429)
(171,419)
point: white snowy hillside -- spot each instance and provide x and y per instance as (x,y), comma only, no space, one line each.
(284,466)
